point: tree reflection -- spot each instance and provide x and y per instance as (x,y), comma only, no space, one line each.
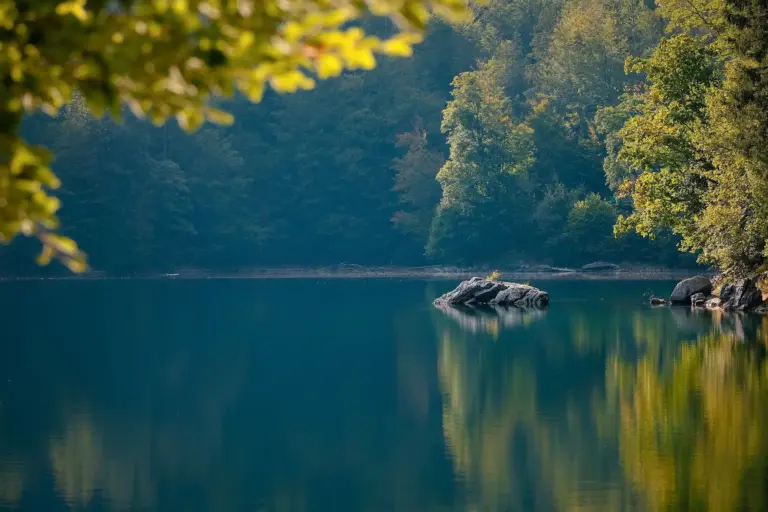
(141,400)
(616,411)
(11,486)
(583,408)
(693,436)
(521,436)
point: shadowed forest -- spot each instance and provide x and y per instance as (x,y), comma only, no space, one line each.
(543,131)
(488,146)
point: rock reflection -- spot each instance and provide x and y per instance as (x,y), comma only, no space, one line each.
(491,319)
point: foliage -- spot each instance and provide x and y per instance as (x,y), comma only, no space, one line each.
(572,56)
(485,180)
(592,219)
(164,59)
(415,183)
(493,276)
(346,171)
(696,140)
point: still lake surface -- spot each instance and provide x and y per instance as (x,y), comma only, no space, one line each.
(359,395)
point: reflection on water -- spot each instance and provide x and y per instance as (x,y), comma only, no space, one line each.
(491,318)
(676,421)
(694,437)
(11,486)
(522,434)
(215,396)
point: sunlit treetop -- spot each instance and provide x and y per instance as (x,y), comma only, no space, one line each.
(162,59)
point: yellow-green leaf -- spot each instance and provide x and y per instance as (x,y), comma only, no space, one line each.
(328,65)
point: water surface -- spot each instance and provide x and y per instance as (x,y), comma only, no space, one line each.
(359,395)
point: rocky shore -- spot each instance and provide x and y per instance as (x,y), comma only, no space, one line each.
(747,294)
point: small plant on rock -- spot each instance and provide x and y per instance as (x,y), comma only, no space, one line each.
(494,276)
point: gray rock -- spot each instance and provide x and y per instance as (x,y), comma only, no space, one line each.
(657,301)
(745,296)
(713,303)
(482,291)
(487,295)
(698,299)
(726,291)
(521,296)
(466,291)
(687,287)
(599,266)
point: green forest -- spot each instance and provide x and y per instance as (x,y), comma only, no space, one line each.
(542,131)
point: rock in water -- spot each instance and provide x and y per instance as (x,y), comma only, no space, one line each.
(713,303)
(745,295)
(726,291)
(483,291)
(687,287)
(698,299)
(656,301)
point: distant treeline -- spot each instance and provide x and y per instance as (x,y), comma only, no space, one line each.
(487,147)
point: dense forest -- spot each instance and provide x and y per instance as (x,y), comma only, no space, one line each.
(521,135)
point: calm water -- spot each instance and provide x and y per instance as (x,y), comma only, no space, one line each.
(353,395)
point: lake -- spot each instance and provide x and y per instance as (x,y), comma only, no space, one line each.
(359,395)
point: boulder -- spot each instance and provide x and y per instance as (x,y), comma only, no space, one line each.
(698,299)
(745,296)
(716,281)
(687,287)
(600,266)
(713,303)
(725,292)
(478,291)
(657,301)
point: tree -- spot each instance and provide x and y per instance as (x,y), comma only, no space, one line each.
(485,180)
(164,59)
(698,137)
(415,183)
(591,219)
(659,140)
(582,66)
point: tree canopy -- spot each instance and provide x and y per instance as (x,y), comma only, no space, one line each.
(698,134)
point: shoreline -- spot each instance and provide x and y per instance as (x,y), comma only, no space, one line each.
(355,272)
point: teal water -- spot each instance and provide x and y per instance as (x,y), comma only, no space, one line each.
(359,395)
